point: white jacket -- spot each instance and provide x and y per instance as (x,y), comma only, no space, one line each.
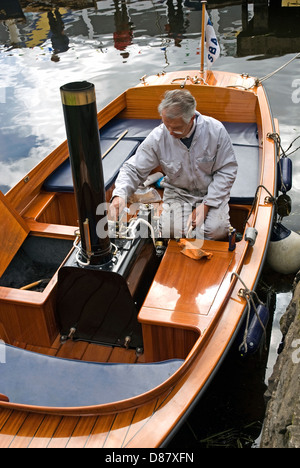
(204,172)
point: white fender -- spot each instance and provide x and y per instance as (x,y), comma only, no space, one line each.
(284,251)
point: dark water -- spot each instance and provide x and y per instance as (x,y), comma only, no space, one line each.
(113,44)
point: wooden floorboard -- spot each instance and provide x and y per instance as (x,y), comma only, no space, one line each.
(82,350)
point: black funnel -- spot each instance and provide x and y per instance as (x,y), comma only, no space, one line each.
(80,112)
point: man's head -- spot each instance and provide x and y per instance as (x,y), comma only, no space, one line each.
(177,110)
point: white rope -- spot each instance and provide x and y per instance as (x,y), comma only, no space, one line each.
(257,81)
(279,69)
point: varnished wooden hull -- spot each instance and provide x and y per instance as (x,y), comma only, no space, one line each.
(191,312)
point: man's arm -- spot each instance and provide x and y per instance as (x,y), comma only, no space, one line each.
(133,173)
(198,216)
(224,172)
(116,207)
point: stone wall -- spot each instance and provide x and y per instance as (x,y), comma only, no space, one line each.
(282,420)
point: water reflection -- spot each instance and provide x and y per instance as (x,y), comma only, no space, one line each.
(271,30)
(123,28)
(114,43)
(59,40)
(177,23)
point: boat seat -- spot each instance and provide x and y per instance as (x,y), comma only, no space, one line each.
(61,179)
(243,136)
(138,129)
(30,378)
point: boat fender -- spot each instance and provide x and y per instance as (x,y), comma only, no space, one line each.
(284,250)
(284,174)
(284,205)
(250,235)
(258,322)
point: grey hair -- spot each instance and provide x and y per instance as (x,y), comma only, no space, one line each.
(178,103)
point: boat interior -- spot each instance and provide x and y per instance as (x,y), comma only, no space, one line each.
(175,297)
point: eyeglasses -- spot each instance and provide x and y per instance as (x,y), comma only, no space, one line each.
(176,130)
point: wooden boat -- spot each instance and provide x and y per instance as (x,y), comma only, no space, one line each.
(85,394)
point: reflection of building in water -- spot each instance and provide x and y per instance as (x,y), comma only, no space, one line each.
(177,25)
(123,28)
(11,14)
(11,9)
(272,30)
(60,42)
(14,35)
(39,5)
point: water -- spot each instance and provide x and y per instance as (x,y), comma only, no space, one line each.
(113,44)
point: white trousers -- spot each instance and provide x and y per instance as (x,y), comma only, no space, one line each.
(175,215)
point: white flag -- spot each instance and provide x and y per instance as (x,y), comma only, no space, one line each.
(211,42)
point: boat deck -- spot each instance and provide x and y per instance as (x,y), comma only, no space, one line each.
(20,429)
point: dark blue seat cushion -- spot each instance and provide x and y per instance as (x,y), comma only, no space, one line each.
(243,136)
(35,379)
(138,129)
(242,133)
(247,179)
(61,179)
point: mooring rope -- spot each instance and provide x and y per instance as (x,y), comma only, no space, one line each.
(279,69)
(284,153)
(248,294)
(269,199)
(258,81)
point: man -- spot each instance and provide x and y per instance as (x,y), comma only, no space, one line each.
(196,155)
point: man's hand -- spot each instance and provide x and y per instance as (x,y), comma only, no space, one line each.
(197,217)
(116,207)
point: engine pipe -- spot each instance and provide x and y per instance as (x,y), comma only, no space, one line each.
(80,114)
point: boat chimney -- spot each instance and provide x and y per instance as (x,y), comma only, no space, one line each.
(80,113)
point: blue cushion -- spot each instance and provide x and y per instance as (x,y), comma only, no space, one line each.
(243,136)
(35,379)
(245,143)
(242,133)
(138,129)
(61,179)
(247,179)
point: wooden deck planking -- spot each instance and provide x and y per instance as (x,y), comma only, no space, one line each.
(43,435)
(11,427)
(26,432)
